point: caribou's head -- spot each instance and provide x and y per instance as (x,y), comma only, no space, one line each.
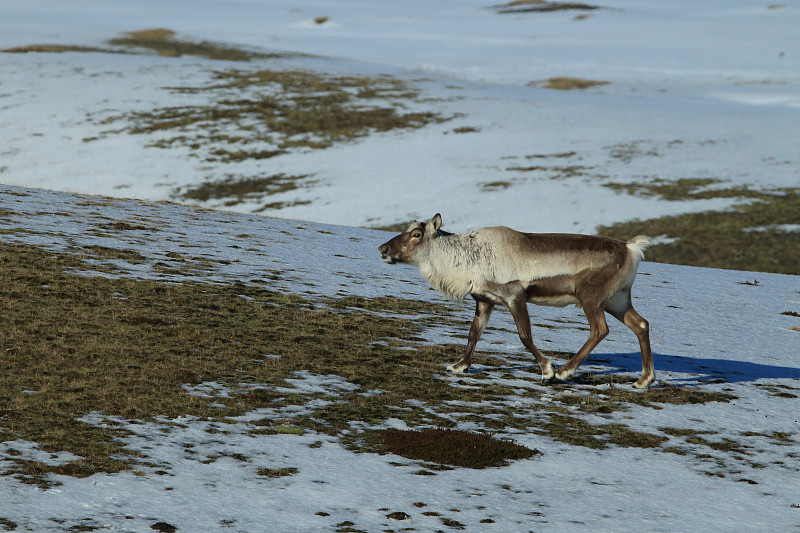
(404,247)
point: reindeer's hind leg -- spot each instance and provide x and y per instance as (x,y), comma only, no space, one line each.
(641,328)
(483,310)
(599,330)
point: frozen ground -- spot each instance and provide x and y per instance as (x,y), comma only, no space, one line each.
(696,91)
(700,337)
(705,90)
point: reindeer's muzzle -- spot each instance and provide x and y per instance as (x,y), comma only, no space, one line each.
(383,249)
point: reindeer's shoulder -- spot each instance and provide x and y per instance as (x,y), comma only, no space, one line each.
(497,233)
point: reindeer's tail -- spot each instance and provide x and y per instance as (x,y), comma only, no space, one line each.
(637,246)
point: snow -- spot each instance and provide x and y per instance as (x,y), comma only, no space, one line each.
(565,489)
(698,89)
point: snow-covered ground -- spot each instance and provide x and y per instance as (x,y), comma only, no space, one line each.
(698,89)
(710,328)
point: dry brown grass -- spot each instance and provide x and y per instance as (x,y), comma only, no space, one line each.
(127,348)
(152,34)
(745,237)
(567,83)
(292,109)
(54,49)
(281,112)
(162,41)
(165,42)
(453,447)
(238,190)
(541,6)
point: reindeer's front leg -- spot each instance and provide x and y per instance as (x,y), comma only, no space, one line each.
(519,310)
(483,310)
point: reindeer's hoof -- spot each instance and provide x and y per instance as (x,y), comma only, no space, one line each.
(457,368)
(564,375)
(547,373)
(644,382)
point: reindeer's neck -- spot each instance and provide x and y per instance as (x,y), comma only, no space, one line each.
(455,264)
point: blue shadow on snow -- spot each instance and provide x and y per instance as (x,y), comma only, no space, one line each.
(700,369)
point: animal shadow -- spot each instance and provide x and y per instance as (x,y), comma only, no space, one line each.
(698,369)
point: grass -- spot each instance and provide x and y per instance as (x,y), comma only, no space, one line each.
(494,185)
(164,527)
(236,190)
(75,345)
(453,447)
(558,169)
(466,129)
(540,6)
(686,189)
(567,83)
(260,115)
(256,115)
(397,227)
(628,151)
(55,49)
(127,348)
(164,42)
(289,109)
(553,171)
(578,432)
(755,234)
(277,472)
(747,236)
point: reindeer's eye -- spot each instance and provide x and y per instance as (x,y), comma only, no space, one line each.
(416,235)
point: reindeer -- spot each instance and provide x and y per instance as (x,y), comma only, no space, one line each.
(499,265)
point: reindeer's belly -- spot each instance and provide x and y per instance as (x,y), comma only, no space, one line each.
(554,301)
(556,291)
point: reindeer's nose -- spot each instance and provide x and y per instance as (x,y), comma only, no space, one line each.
(384,251)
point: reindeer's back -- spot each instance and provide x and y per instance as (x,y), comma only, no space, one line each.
(529,256)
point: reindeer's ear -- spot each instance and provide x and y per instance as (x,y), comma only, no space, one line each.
(434,224)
